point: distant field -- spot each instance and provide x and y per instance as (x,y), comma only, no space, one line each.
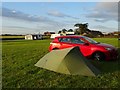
(18,70)
(18,37)
(12,36)
(114,41)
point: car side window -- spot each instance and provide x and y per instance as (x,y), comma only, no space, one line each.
(77,41)
(67,40)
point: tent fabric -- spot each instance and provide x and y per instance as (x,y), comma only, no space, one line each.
(68,61)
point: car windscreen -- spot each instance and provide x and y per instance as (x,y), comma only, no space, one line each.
(91,40)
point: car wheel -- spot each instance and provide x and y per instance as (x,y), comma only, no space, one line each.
(99,56)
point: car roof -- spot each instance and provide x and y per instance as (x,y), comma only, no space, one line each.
(73,36)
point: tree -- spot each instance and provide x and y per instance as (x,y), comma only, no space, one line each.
(59,32)
(70,30)
(76,32)
(64,30)
(82,27)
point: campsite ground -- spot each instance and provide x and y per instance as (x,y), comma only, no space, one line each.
(18,70)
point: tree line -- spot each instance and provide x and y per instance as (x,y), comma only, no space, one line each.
(83,30)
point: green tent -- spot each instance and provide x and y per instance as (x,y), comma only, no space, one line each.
(68,61)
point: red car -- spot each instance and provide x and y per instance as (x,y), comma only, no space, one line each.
(88,47)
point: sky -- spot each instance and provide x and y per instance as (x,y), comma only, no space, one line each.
(39,17)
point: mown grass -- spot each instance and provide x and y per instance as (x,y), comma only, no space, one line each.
(18,70)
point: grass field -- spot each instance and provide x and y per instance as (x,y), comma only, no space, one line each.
(12,36)
(18,70)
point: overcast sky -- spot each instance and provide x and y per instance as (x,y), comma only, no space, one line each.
(35,17)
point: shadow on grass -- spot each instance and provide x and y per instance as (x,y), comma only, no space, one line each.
(108,66)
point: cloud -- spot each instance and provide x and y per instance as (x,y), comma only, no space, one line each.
(105,28)
(17,15)
(13,14)
(59,14)
(22,16)
(16,30)
(61,0)
(18,27)
(104,11)
(22,29)
(15,21)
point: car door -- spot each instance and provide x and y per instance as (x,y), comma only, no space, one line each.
(65,42)
(84,48)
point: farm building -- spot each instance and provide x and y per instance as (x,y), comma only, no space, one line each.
(33,36)
(70,33)
(66,33)
(48,33)
(54,35)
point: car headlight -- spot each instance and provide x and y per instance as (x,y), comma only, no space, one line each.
(108,49)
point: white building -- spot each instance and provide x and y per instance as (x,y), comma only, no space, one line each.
(70,33)
(33,36)
(54,35)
